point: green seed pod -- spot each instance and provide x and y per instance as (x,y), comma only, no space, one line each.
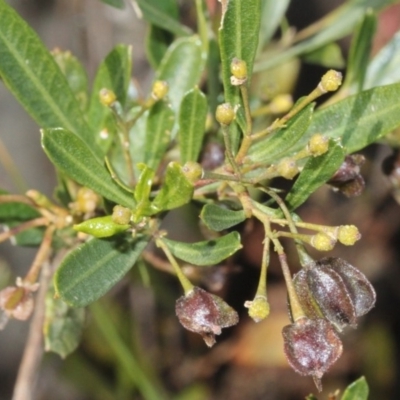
(193,171)
(287,168)
(121,215)
(101,227)
(331,81)
(159,89)
(318,144)
(348,234)
(322,242)
(225,114)
(107,97)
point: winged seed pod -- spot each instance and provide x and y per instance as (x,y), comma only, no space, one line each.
(204,313)
(334,289)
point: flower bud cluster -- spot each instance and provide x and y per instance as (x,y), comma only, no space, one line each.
(332,294)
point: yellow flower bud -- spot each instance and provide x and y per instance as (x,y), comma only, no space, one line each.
(318,144)
(331,81)
(121,215)
(193,171)
(159,89)
(287,168)
(281,103)
(238,71)
(348,234)
(107,97)
(258,308)
(225,114)
(323,242)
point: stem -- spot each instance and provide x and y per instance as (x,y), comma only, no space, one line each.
(41,256)
(23,227)
(124,355)
(31,358)
(247,139)
(262,283)
(115,177)
(17,198)
(186,284)
(228,149)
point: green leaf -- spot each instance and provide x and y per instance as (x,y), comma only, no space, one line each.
(30,238)
(329,56)
(75,74)
(384,68)
(114,73)
(272,12)
(238,37)
(336,25)
(182,67)
(358,390)
(72,157)
(155,12)
(192,122)
(358,120)
(142,192)
(14,211)
(279,144)
(157,42)
(360,50)
(62,326)
(315,173)
(206,253)
(176,190)
(90,270)
(115,3)
(32,75)
(219,218)
(160,122)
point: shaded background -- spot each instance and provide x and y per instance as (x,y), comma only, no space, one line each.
(248,362)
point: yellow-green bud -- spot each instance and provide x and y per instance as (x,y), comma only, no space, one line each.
(121,215)
(322,241)
(238,71)
(287,168)
(101,227)
(225,114)
(281,103)
(159,89)
(348,234)
(331,81)
(258,308)
(193,171)
(107,97)
(318,144)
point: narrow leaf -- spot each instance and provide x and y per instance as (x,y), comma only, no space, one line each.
(384,68)
(315,173)
(358,390)
(360,50)
(176,190)
(209,252)
(114,3)
(90,270)
(279,144)
(192,121)
(157,42)
(114,73)
(358,120)
(329,56)
(219,218)
(154,12)
(238,37)
(32,75)
(62,326)
(13,211)
(72,157)
(158,133)
(182,67)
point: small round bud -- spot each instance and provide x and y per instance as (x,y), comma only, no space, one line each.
(193,171)
(322,242)
(159,89)
(121,215)
(238,71)
(225,114)
(348,234)
(331,81)
(318,144)
(281,103)
(287,168)
(107,97)
(258,308)
(86,200)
